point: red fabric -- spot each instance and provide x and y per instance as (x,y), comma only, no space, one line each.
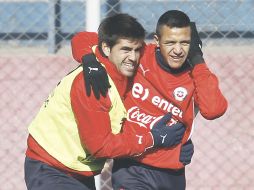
(92,117)
(93,121)
(81,44)
(36,152)
(153,95)
(208,97)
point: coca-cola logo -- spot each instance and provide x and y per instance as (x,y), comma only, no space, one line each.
(142,119)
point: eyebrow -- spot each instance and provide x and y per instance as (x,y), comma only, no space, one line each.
(174,41)
(129,49)
(186,41)
(126,48)
(169,41)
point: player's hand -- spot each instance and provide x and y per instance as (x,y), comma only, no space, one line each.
(167,136)
(195,55)
(187,151)
(95,76)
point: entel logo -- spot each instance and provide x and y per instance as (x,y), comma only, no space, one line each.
(139,92)
(144,120)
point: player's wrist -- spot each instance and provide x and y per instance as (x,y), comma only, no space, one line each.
(149,140)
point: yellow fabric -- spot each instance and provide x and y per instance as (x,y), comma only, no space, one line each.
(55,129)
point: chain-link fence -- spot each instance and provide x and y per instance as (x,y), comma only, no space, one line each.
(35,53)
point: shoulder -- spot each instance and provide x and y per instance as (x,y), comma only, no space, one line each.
(149,51)
(148,57)
(149,48)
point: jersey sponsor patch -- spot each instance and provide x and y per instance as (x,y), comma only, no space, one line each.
(143,119)
(180,93)
(140,117)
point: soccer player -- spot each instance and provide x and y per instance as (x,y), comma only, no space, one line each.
(172,77)
(72,135)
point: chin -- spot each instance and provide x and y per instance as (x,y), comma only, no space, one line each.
(176,65)
(128,74)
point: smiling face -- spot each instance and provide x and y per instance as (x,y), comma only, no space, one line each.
(174,44)
(124,55)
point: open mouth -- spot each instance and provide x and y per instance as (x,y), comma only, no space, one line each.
(176,58)
(129,66)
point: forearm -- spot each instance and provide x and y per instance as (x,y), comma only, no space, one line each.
(95,127)
(208,96)
(121,145)
(98,139)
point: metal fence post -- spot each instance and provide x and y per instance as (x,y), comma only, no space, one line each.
(54,37)
(92,24)
(92,15)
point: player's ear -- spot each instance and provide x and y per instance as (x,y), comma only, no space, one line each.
(105,48)
(156,40)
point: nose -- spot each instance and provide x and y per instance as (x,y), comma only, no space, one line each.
(178,49)
(133,56)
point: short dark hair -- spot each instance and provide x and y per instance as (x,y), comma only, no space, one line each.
(119,26)
(172,18)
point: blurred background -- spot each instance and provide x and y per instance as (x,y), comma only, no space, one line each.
(35,54)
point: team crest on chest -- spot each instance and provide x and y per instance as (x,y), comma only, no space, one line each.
(180,93)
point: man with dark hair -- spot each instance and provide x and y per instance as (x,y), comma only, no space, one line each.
(172,77)
(72,135)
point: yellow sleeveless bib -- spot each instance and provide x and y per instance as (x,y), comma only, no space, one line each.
(55,129)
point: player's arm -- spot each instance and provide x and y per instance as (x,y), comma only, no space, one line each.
(208,96)
(93,121)
(94,126)
(81,44)
(97,82)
